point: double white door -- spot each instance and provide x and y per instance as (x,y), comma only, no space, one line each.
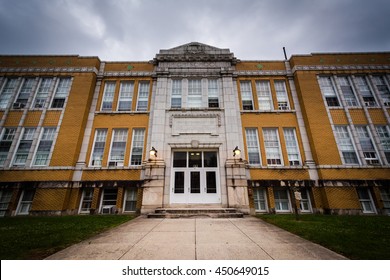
(195,178)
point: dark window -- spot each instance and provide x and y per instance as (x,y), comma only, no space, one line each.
(180,159)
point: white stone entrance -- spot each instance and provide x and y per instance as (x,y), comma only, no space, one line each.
(195,178)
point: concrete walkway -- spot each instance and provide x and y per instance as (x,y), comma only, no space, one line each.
(248,238)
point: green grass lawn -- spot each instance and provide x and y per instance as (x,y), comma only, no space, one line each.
(356,237)
(38,237)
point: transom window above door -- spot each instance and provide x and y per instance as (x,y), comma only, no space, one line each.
(195,159)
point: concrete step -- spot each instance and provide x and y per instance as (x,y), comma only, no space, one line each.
(196,212)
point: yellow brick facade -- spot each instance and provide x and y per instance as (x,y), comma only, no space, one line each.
(68,183)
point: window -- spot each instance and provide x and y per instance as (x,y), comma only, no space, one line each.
(367,145)
(272,147)
(194,99)
(365,91)
(213,93)
(281,95)
(42,93)
(264,95)
(260,200)
(366,200)
(108,204)
(61,93)
(25,202)
(282,201)
(384,136)
(385,195)
(86,201)
(44,147)
(24,93)
(383,89)
(246,95)
(346,89)
(143,96)
(130,200)
(118,147)
(6,93)
(5,143)
(180,159)
(292,146)
(108,96)
(98,147)
(176,94)
(345,145)
(5,198)
(137,146)
(252,143)
(328,91)
(126,96)
(305,201)
(23,149)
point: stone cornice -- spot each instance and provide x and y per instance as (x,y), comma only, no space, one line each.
(261,73)
(339,67)
(128,74)
(48,70)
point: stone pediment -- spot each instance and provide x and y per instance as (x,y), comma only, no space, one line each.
(194,52)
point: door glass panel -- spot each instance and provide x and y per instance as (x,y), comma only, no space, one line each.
(210,159)
(179,159)
(211,182)
(179,182)
(195,182)
(195,159)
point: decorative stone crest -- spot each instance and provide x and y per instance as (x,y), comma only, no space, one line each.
(195,48)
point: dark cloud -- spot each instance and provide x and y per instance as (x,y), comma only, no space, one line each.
(137,29)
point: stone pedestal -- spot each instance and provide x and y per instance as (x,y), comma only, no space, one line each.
(237,185)
(153,187)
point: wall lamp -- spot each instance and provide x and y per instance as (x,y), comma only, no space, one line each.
(153,152)
(236,151)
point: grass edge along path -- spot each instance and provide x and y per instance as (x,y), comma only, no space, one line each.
(355,237)
(29,238)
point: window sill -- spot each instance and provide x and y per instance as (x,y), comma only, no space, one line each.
(266,111)
(121,112)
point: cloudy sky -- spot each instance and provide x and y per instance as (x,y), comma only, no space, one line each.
(138,29)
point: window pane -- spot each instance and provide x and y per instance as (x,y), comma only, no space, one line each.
(143,95)
(137,146)
(211,182)
(210,159)
(195,159)
(195,182)
(194,93)
(252,145)
(179,182)
(264,95)
(246,95)
(180,159)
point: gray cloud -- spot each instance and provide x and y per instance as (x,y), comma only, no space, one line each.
(136,30)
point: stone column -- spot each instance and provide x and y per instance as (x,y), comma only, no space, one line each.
(153,187)
(237,185)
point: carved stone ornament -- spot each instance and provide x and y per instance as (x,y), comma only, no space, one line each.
(195,49)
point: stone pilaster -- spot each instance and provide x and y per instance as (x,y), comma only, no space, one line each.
(153,188)
(237,184)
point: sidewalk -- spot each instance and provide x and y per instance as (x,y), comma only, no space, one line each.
(248,238)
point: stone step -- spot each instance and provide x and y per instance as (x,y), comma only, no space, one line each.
(196,212)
